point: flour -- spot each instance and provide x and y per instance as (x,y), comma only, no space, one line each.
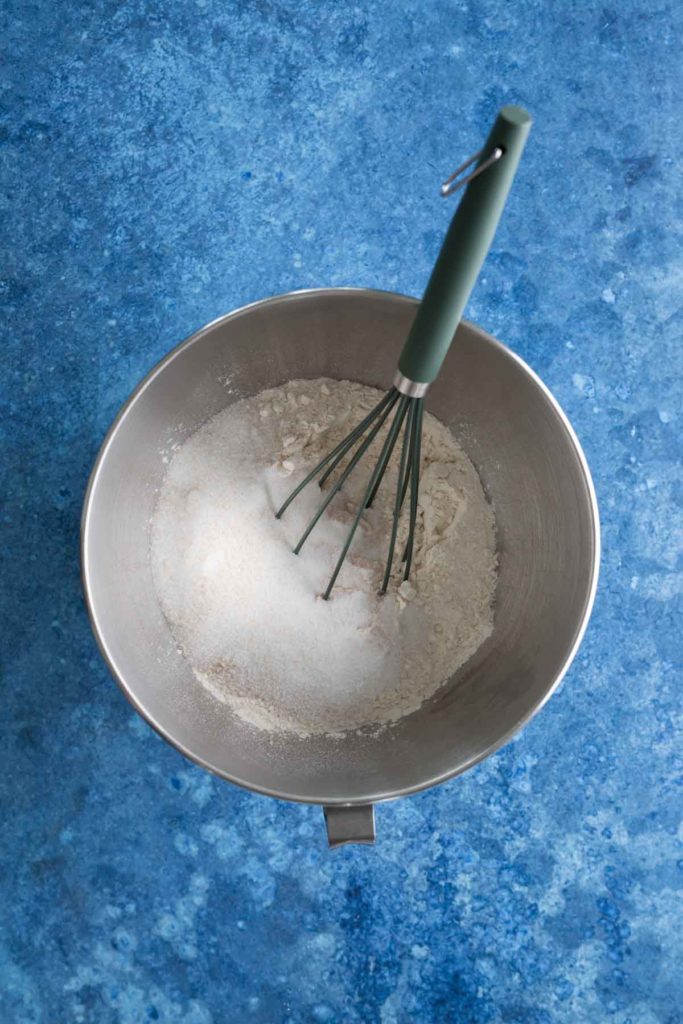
(247,613)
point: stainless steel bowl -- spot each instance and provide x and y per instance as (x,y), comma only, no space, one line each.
(530,463)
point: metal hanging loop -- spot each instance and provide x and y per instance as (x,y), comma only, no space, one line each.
(451,185)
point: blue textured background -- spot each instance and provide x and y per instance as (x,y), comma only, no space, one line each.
(163,163)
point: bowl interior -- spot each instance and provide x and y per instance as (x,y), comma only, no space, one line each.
(530,465)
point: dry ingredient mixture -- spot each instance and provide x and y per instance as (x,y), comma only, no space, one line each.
(247,613)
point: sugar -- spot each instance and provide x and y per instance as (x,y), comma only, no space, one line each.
(248,614)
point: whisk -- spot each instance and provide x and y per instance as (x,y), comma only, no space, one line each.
(452,279)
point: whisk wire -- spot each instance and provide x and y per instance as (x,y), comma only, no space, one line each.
(401,484)
(414,486)
(403,408)
(377,473)
(411,441)
(409,413)
(355,434)
(358,455)
(343,447)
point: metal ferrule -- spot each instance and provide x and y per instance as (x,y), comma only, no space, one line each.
(411,388)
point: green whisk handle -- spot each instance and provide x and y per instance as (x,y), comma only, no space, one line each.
(464,249)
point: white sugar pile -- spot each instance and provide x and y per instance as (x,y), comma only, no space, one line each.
(247,613)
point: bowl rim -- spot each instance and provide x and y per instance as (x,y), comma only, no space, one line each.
(385,795)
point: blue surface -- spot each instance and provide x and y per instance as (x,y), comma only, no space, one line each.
(165,163)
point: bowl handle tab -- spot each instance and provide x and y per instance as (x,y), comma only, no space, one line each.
(350,823)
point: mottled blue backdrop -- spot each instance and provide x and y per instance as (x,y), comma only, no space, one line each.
(163,163)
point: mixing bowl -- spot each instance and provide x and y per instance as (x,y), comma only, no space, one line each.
(531,466)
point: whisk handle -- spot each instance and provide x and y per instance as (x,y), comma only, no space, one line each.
(464,249)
